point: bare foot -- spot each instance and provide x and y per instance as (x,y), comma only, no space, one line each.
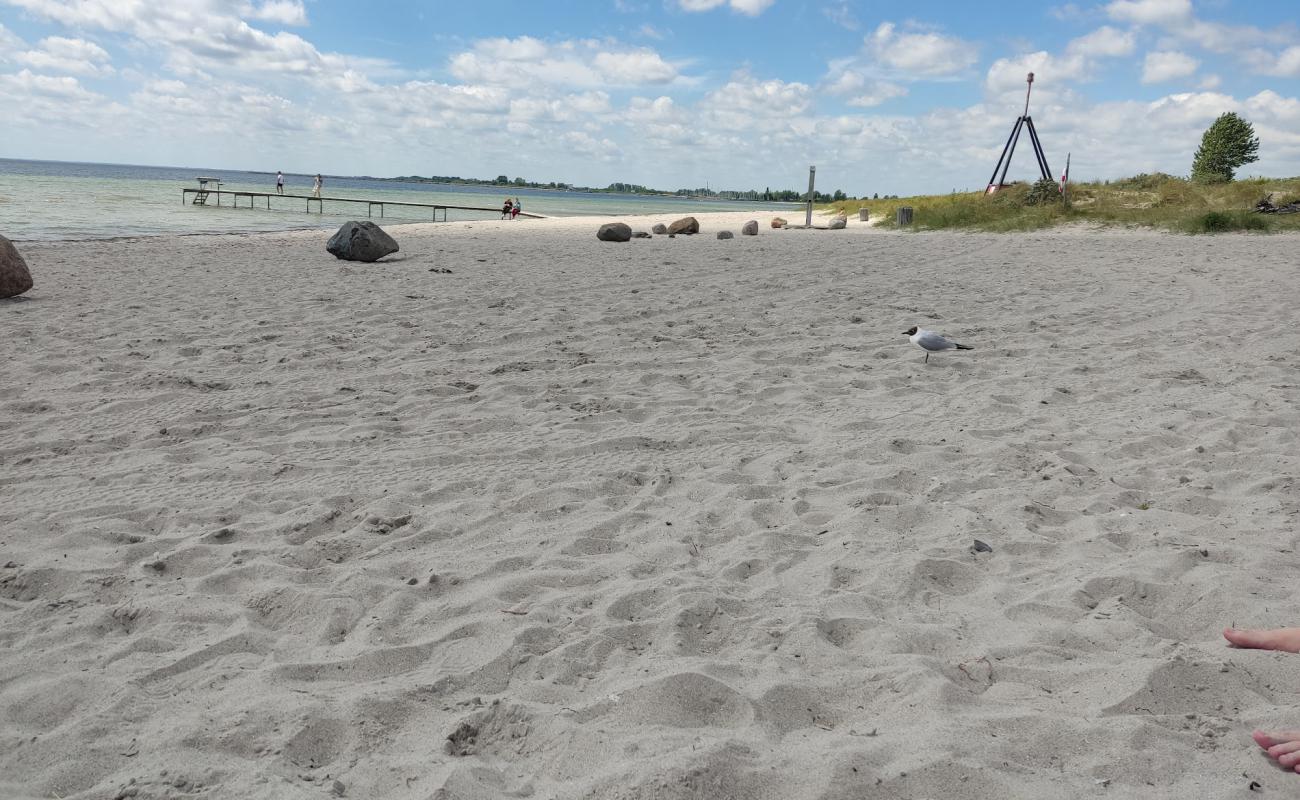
(1286,639)
(1281,746)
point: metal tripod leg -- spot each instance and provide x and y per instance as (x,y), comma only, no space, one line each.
(1038,151)
(1006,155)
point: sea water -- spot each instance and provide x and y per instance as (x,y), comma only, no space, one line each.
(44,200)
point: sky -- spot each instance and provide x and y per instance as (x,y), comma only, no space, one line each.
(883,97)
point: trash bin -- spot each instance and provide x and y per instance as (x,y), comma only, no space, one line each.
(862,215)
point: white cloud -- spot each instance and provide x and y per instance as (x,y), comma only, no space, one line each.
(1170,65)
(1075,64)
(841,15)
(1009,74)
(49,103)
(751,7)
(1285,65)
(1068,12)
(920,54)
(66,56)
(876,93)
(198,36)
(285,12)
(858,88)
(587,146)
(659,110)
(9,42)
(1178,19)
(750,99)
(1105,41)
(585,63)
(1150,12)
(634,67)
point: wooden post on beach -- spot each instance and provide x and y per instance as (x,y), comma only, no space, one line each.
(812,174)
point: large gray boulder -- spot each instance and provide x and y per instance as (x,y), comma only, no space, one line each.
(685,225)
(614,232)
(750,228)
(361,241)
(659,227)
(15,278)
(838,223)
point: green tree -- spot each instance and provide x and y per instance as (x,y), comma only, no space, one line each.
(1226,145)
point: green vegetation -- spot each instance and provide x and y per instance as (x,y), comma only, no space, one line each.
(1227,144)
(1157,201)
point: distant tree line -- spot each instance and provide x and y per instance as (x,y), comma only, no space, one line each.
(619,187)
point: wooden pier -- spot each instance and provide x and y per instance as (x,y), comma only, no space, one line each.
(205,191)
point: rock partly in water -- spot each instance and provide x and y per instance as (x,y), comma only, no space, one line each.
(725,235)
(659,227)
(641,235)
(614,232)
(750,228)
(685,225)
(361,241)
(777,222)
(838,223)
(15,278)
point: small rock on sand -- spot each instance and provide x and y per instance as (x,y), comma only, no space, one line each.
(361,241)
(614,232)
(750,228)
(685,225)
(15,278)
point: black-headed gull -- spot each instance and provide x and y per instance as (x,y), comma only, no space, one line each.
(932,342)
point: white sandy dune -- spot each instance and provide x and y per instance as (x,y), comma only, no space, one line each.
(676,518)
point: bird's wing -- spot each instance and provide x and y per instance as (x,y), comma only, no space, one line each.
(933,341)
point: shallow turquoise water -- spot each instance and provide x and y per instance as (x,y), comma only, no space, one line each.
(42,200)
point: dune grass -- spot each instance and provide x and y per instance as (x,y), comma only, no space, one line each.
(1156,201)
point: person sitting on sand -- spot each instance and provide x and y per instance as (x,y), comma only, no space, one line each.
(507,209)
(1282,746)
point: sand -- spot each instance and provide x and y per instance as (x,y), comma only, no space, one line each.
(676,518)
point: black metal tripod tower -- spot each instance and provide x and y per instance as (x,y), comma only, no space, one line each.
(1004,162)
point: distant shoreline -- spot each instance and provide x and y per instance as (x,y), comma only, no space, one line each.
(634,190)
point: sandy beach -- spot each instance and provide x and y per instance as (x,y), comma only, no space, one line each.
(519,513)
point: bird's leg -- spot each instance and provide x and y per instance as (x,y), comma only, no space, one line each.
(927,359)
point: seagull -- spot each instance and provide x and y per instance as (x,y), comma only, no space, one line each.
(932,342)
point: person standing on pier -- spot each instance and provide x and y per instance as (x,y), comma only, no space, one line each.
(320,182)
(279,182)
